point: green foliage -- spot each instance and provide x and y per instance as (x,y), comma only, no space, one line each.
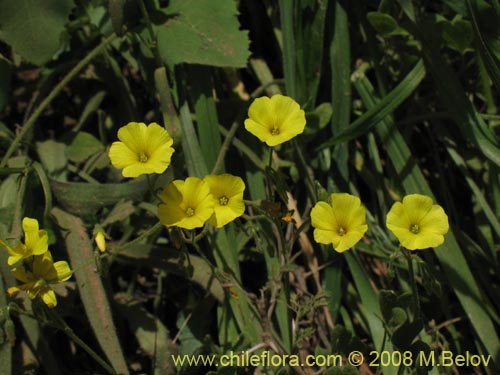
(202,32)
(400,97)
(34,28)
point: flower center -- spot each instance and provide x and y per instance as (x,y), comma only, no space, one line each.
(415,228)
(275,130)
(223,200)
(143,158)
(341,231)
(190,211)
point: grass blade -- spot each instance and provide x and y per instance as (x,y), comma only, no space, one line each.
(377,113)
(450,254)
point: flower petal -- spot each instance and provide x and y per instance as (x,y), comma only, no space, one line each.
(156,137)
(326,237)
(48,296)
(322,217)
(63,272)
(416,207)
(43,266)
(258,129)
(134,136)
(122,156)
(436,221)
(347,241)
(397,218)
(21,274)
(348,210)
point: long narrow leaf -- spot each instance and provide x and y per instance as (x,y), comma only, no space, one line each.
(92,292)
(387,105)
(450,254)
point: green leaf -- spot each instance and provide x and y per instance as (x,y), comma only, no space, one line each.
(383,23)
(206,114)
(52,155)
(388,104)
(83,146)
(32,27)
(92,292)
(340,58)
(83,198)
(458,35)
(203,32)
(450,254)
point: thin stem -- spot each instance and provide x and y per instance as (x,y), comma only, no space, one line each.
(413,283)
(269,189)
(45,103)
(225,146)
(61,324)
(138,239)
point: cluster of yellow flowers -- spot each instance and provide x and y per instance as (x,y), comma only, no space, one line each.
(190,203)
(416,222)
(38,269)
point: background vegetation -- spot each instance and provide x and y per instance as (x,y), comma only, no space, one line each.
(401,97)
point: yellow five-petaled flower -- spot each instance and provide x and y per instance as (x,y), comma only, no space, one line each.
(275,120)
(186,204)
(227,191)
(142,149)
(341,223)
(37,281)
(36,242)
(417,222)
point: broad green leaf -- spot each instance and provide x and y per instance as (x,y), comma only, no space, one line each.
(82,147)
(458,35)
(33,28)
(203,32)
(95,300)
(52,155)
(383,23)
(81,198)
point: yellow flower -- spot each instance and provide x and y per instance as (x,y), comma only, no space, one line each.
(417,223)
(142,149)
(341,223)
(37,282)
(275,120)
(36,242)
(186,204)
(227,191)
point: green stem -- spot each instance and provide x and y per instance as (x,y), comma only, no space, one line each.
(413,283)
(44,104)
(247,151)
(147,233)
(269,189)
(61,324)
(225,147)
